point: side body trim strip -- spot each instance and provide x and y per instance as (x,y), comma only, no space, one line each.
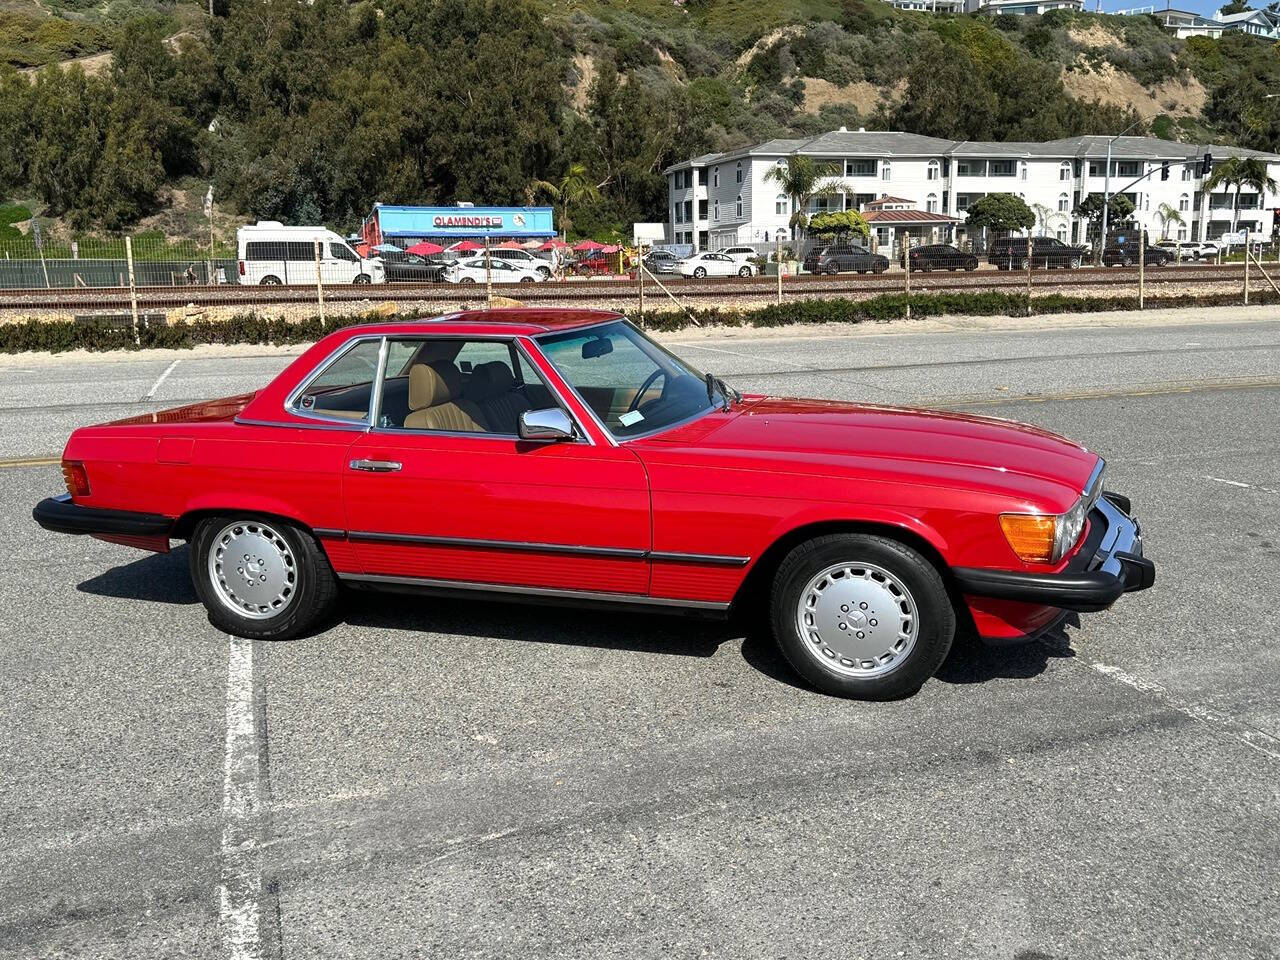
(517,590)
(657,556)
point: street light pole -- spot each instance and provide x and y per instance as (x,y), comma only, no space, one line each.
(1106,188)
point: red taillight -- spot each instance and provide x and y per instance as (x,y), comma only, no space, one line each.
(242,268)
(76,478)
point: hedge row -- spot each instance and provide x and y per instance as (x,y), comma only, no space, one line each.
(57,336)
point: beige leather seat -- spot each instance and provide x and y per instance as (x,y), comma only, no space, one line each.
(435,404)
(492,388)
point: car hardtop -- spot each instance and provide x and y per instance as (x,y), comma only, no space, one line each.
(267,405)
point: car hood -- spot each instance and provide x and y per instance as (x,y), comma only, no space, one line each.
(899,444)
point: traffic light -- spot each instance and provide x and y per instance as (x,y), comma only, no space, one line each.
(1164,170)
(1206,165)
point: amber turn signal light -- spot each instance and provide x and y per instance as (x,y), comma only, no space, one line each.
(76,478)
(1030,535)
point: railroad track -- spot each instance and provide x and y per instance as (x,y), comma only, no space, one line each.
(90,299)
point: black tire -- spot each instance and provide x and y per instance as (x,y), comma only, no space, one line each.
(314,588)
(935,619)
(971,265)
(269,281)
(1075,264)
(526,280)
(466,280)
(362,279)
(832,269)
(546,272)
(1020,264)
(699,273)
(744,272)
(1127,262)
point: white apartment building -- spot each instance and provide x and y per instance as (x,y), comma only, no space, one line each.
(1027,8)
(722,199)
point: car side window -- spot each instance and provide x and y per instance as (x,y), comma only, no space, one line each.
(341,389)
(458,386)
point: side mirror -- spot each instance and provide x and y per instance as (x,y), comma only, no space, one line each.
(551,424)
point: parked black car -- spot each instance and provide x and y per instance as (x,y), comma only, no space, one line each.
(412,268)
(941,256)
(1010,253)
(1126,255)
(837,258)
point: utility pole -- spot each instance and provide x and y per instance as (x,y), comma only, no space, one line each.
(1028,275)
(777,255)
(488,275)
(1142,266)
(319,284)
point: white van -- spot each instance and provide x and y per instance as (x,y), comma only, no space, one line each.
(271,253)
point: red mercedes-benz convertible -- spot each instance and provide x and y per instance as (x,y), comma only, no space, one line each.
(562,454)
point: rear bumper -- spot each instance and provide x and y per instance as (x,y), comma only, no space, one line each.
(1110,563)
(60,515)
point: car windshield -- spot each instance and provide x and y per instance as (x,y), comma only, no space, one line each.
(631,384)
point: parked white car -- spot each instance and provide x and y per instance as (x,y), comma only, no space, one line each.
(503,271)
(713,265)
(526,259)
(1190,249)
(270,253)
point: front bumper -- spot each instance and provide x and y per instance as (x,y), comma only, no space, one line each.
(1108,564)
(60,515)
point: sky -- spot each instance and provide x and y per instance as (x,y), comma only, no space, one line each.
(1206,7)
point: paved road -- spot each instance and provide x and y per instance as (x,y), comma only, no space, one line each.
(441,779)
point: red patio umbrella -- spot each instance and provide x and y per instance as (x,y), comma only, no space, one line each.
(585,245)
(467,246)
(509,245)
(553,244)
(425,248)
(612,248)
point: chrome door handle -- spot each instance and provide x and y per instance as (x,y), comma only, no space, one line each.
(376,466)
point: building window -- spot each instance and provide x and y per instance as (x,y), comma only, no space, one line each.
(1097,168)
(715,178)
(1128,169)
(1003,168)
(781,234)
(1187,169)
(675,214)
(1184,203)
(738,212)
(702,177)
(886,171)
(934,170)
(688,211)
(780,205)
(1062,233)
(1064,203)
(1022,170)
(715,211)
(1064,170)
(1182,233)
(931,203)
(971,168)
(702,209)
(739,174)
(859,168)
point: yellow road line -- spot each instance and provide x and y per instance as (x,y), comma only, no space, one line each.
(31,462)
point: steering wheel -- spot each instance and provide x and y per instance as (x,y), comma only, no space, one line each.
(644,388)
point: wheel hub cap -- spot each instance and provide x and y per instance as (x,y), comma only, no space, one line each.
(252,570)
(857,619)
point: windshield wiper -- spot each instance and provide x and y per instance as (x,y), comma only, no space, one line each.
(727,393)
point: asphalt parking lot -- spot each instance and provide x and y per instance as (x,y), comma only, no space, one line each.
(447,779)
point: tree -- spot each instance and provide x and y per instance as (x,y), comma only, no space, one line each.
(840,223)
(1240,172)
(802,178)
(1235,6)
(574,187)
(1167,214)
(1043,215)
(1001,211)
(1120,208)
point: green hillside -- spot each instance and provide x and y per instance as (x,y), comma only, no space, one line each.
(312,112)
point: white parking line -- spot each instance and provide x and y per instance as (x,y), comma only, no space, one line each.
(240,893)
(1241,484)
(1250,736)
(163,377)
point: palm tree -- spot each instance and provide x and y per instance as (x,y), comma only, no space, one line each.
(802,179)
(1167,215)
(1043,215)
(574,187)
(1240,172)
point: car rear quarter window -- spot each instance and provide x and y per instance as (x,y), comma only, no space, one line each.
(341,389)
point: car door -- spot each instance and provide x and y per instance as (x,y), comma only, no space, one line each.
(467,507)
